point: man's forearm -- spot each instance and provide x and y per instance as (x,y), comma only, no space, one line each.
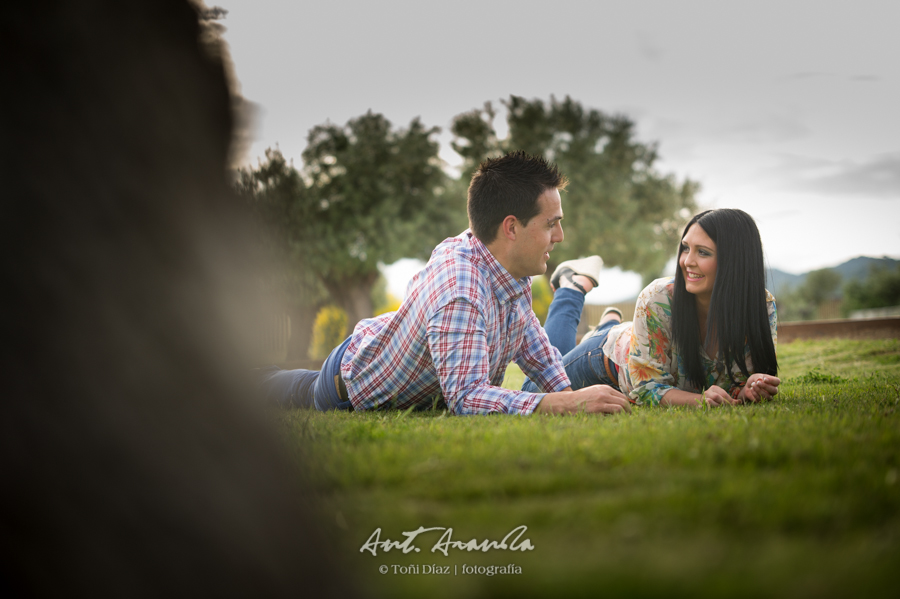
(489,399)
(555,403)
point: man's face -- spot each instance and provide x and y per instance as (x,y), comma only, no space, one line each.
(535,241)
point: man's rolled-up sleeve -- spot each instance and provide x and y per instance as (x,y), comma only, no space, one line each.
(458,345)
(540,361)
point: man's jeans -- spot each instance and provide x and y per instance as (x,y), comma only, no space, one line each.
(584,362)
(317,389)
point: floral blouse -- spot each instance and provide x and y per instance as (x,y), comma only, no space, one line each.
(648,360)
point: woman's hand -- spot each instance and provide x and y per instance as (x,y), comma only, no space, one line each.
(759,387)
(717,396)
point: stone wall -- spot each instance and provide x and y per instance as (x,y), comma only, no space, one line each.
(874,328)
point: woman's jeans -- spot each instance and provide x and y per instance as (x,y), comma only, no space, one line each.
(584,362)
(300,388)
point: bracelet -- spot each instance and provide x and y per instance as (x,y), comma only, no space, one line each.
(735,391)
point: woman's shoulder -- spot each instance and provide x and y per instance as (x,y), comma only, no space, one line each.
(663,288)
(770,299)
(655,301)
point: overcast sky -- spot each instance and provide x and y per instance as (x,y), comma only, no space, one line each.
(788,110)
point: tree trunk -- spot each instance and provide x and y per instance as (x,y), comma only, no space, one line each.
(358,305)
(302,320)
(354,296)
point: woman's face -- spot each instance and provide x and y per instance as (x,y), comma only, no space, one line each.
(697,261)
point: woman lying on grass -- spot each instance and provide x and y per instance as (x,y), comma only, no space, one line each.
(708,333)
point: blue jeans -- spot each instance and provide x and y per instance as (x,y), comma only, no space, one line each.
(300,388)
(584,362)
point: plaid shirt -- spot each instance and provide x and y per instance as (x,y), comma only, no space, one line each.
(465,318)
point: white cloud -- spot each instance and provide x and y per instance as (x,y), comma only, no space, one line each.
(872,177)
(774,127)
(648,47)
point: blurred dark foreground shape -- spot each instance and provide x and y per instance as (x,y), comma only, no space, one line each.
(131,462)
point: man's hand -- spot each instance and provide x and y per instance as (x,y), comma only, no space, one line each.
(593,399)
(759,387)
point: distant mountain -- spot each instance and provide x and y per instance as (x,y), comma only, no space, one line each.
(778,281)
(858,268)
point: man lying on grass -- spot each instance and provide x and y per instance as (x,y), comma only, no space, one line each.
(466,316)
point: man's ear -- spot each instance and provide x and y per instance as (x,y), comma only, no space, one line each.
(509,227)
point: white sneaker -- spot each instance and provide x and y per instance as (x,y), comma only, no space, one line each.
(586,267)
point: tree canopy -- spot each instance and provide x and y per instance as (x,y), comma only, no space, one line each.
(880,289)
(366,193)
(625,210)
(803,302)
(271,190)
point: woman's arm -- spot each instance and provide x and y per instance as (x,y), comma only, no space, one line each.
(714,397)
(651,367)
(759,386)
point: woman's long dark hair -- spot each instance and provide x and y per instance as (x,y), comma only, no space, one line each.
(737,312)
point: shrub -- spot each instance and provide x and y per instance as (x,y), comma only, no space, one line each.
(541,296)
(880,289)
(803,303)
(391,304)
(382,299)
(328,331)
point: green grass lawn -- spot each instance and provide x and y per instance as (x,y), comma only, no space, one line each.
(796,497)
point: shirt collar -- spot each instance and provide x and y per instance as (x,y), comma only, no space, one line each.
(506,288)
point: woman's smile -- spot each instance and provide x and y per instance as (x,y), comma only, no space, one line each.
(698,262)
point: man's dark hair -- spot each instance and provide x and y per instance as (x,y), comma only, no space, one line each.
(510,184)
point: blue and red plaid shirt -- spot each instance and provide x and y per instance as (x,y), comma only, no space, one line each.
(465,318)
